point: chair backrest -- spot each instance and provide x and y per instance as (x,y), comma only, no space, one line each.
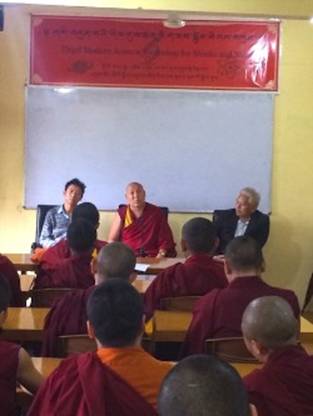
(163,209)
(230,349)
(45,298)
(40,219)
(179,303)
(75,344)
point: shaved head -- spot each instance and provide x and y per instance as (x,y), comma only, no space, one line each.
(116,260)
(134,185)
(199,235)
(203,385)
(271,322)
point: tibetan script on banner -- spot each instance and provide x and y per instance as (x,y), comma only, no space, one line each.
(235,55)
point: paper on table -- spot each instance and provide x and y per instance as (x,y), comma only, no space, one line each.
(141,267)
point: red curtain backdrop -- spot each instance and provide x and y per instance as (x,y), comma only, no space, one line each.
(231,55)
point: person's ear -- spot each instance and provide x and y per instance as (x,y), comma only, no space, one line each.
(132,277)
(253,411)
(183,245)
(227,267)
(94,265)
(215,245)
(90,331)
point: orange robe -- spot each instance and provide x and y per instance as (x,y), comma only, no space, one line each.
(138,368)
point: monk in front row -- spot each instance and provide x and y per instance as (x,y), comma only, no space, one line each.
(142,226)
(284,386)
(120,378)
(16,364)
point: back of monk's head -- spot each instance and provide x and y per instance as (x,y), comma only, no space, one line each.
(270,321)
(87,211)
(81,236)
(244,254)
(203,385)
(199,235)
(116,260)
(115,312)
(5,294)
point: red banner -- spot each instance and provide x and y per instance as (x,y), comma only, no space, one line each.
(144,53)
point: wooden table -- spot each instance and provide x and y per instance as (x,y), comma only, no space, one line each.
(24,263)
(45,365)
(24,324)
(143,281)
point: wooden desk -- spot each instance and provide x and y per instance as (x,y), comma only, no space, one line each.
(143,282)
(24,324)
(306,331)
(22,262)
(45,365)
(170,326)
(158,265)
(245,368)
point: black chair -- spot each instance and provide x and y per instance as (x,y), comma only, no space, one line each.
(40,219)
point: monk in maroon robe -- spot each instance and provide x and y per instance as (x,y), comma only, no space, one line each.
(284,386)
(16,365)
(8,270)
(142,226)
(218,314)
(197,276)
(120,379)
(68,315)
(74,271)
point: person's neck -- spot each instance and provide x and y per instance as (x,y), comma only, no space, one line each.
(238,274)
(68,208)
(137,211)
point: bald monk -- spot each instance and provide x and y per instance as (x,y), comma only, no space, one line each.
(197,276)
(218,314)
(8,270)
(74,271)
(120,379)
(16,364)
(142,226)
(61,250)
(68,315)
(203,385)
(284,386)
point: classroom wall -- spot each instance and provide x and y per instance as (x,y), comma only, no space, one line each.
(289,250)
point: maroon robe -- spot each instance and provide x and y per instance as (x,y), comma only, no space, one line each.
(68,316)
(149,233)
(9,272)
(196,277)
(218,314)
(83,386)
(72,272)
(284,386)
(8,371)
(61,250)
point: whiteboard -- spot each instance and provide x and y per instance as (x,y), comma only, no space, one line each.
(192,150)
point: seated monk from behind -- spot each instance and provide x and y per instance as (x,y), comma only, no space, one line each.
(142,226)
(120,378)
(61,250)
(68,315)
(73,271)
(16,364)
(203,385)
(284,386)
(244,219)
(218,314)
(197,276)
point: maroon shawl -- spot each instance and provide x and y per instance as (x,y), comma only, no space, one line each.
(8,370)
(83,386)
(9,272)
